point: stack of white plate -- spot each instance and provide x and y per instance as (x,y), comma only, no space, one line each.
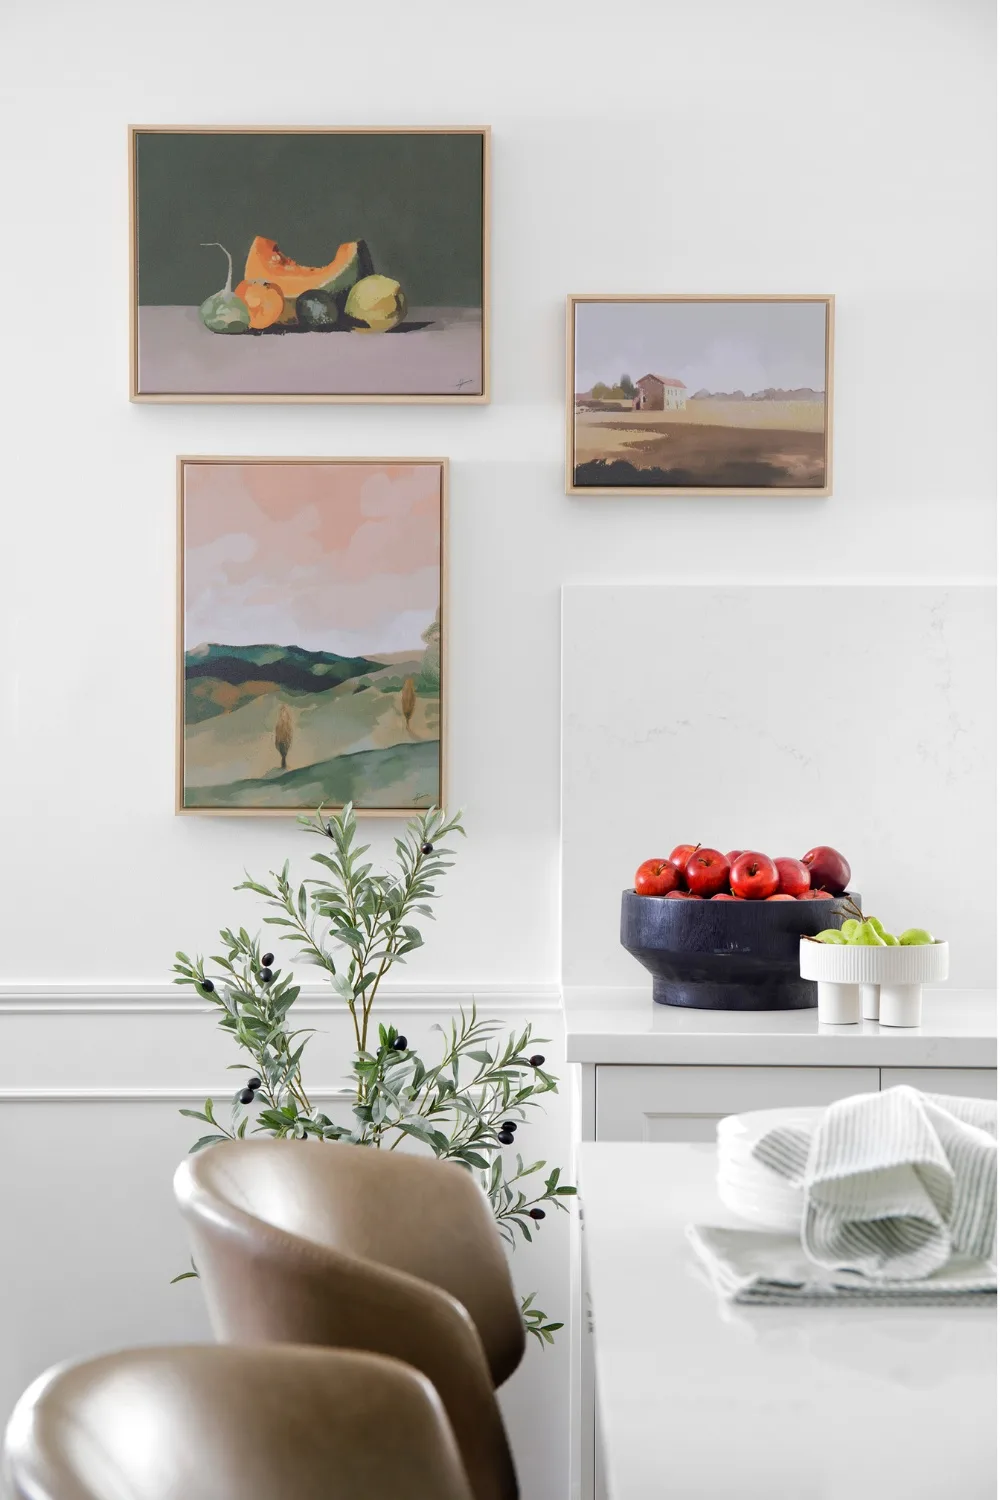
(746,1186)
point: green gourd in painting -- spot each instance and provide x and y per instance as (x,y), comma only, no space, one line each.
(224,312)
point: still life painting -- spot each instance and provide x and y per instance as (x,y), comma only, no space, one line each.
(310,634)
(309,265)
(699,395)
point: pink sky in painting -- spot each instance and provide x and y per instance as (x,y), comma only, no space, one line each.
(330,557)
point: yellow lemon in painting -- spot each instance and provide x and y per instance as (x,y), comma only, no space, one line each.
(376,301)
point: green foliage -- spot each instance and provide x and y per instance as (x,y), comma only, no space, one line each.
(424,685)
(626,386)
(355,924)
(535,1320)
(428,681)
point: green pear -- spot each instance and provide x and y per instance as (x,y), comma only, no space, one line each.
(831,935)
(915,937)
(850,928)
(868,937)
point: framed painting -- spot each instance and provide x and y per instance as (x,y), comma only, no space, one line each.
(679,395)
(311,597)
(309,265)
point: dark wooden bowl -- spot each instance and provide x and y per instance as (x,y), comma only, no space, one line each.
(726,955)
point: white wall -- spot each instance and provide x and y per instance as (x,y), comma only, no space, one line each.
(713,147)
(672,146)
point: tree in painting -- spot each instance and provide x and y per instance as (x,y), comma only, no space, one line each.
(283,735)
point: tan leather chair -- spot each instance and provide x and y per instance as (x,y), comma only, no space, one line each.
(356,1248)
(221,1423)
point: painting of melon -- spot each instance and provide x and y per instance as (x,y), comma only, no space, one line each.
(310,634)
(309,265)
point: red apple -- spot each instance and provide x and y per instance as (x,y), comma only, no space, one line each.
(754,876)
(816,896)
(682,896)
(656,877)
(780,896)
(828,870)
(680,857)
(706,872)
(793,877)
(726,896)
(734,855)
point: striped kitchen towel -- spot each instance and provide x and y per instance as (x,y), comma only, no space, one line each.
(895,1183)
(761,1268)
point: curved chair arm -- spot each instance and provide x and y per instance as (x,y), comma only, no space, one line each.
(262,1284)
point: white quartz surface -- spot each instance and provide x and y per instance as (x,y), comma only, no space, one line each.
(777,717)
(625,1026)
(706,1402)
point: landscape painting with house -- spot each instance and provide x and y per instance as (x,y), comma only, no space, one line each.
(311,606)
(695,395)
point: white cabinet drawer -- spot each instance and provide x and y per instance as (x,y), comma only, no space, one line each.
(975,1083)
(663,1103)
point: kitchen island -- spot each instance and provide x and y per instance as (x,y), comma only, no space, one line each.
(707,1401)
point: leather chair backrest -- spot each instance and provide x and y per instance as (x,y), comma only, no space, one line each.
(312,1242)
(221,1423)
(409,1213)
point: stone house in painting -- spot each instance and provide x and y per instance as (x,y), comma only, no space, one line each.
(659,393)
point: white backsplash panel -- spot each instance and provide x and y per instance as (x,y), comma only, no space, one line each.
(777,717)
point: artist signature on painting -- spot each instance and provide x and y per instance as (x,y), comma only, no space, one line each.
(466,380)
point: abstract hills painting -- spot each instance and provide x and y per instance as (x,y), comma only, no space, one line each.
(311,634)
(699,395)
(308,265)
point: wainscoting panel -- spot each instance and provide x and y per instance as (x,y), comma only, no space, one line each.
(90,1136)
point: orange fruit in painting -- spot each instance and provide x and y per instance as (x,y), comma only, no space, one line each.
(265,262)
(264,301)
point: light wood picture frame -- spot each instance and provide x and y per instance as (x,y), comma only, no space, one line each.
(311,635)
(680,394)
(352,265)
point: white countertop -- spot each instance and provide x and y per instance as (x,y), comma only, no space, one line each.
(625,1026)
(705,1402)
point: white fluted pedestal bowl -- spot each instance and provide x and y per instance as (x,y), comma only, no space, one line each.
(880,984)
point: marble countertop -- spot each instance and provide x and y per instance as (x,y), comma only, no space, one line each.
(715,1402)
(625,1026)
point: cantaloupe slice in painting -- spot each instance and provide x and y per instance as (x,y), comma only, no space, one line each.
(265,262)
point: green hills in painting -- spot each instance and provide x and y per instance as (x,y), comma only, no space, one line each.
(236,667)
(279,726)
(363,778)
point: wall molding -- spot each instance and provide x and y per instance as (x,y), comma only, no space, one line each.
(181,1094)
(116,998)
